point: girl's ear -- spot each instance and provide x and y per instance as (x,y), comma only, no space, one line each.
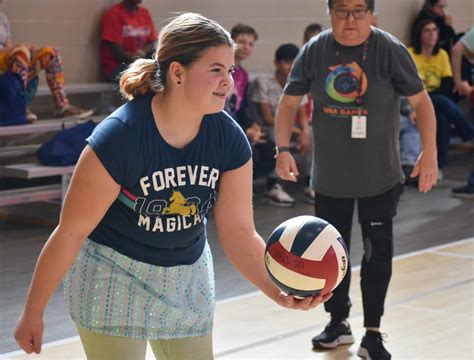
(176,73)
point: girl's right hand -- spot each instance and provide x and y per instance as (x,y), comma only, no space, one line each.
(29,332)
(308,303)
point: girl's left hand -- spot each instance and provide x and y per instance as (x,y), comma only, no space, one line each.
(308,303)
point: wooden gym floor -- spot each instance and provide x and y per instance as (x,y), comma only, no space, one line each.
(429,315)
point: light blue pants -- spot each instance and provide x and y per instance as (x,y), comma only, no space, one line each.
(410,144)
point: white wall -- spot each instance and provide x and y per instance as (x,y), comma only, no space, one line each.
(73,25)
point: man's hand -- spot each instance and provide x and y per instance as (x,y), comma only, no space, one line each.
(286,167)
(463,88)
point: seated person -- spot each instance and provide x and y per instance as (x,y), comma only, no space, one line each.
(410,143)
(264,96)
(245,37)
(434,10)
(310,31)
(464,49)
(435,70)
(128,33)
(27,61)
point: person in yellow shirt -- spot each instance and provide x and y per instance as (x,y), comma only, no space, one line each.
(435,69)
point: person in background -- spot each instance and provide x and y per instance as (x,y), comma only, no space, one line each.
(245,38)
(27,61)
(410,143)
(356,74)
(236,105)
(138,263)
(128,33)
(310,31)
(434,68)
(435,10)
(265,93)
(464,48)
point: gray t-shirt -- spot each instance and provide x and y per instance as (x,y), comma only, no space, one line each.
(4,30)
(355,167)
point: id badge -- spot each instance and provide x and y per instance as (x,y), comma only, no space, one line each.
(359,127)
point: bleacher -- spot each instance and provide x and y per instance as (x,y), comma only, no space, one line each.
(11,156)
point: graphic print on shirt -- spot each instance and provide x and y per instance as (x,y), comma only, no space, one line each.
(346,84)
(193,193)
(180,205)
(431,77)
(139,34)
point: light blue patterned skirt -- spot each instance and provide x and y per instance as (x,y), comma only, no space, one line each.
(109,293)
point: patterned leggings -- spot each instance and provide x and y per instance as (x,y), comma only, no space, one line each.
(28,61)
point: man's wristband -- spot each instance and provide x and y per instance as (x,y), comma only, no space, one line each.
(281,149)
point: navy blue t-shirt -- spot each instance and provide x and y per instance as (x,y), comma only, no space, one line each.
(160,215)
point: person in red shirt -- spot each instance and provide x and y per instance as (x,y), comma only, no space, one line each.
(128,33)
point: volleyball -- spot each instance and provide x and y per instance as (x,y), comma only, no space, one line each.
(306,256)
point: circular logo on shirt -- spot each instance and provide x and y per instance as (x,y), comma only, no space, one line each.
(345,83)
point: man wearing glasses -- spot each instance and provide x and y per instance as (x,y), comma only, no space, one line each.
(356,74)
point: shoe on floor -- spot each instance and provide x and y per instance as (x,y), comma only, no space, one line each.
(334,334)
(371,347)
(70,110)
(465,191)
(310,194)
(277,196)
(30,117)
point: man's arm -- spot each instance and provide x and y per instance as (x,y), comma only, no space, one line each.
(119,53)
(460,86)
(304,136)
(426,166)
(284,119)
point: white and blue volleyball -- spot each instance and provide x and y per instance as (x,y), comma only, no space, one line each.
(306,256)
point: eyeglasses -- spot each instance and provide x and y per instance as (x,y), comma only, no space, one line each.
(358,14)
(430,30)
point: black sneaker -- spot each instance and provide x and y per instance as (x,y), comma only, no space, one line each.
(465,191)
(371,347)
(335,333)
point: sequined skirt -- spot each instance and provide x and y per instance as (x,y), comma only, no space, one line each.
(109,293)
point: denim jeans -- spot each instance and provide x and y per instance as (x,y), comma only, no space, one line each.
(410,145)
(448,114)
(31,89)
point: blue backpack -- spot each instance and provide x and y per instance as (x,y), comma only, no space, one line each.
(12,100)
(66,146)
